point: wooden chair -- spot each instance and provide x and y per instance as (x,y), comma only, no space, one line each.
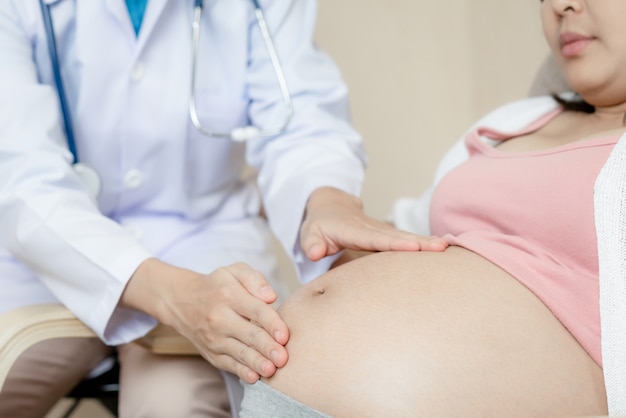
(24,327)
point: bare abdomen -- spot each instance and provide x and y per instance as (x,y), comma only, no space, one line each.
(432,334)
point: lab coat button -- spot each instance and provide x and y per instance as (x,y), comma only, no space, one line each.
(133,179)
(137,72)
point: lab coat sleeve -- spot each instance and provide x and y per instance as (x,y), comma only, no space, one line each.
(47,219)
(320,147)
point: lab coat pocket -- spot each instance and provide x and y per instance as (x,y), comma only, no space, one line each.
(215,164)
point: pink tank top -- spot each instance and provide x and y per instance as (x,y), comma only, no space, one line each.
(531,214)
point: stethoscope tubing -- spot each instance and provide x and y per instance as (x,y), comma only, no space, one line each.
(87,173)
(56,70)
(237,134)
(89,176)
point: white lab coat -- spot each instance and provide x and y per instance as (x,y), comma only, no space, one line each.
(412,214)
(168,191)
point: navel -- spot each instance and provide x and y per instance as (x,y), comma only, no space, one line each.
(319,291)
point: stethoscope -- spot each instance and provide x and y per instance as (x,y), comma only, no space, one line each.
(88,174)
(248,132)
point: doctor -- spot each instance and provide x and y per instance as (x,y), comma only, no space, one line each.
(160,223)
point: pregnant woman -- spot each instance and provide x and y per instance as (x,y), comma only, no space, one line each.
(505,321)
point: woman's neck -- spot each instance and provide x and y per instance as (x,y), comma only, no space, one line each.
(613,115)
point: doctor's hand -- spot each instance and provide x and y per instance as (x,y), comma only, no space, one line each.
(335,220)
(226,315)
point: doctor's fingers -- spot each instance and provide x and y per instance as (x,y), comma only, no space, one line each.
(244,361)
(259,317)
(231,302)
(250,321)
(384,237)
(241,346)
(364,234)
(252,280)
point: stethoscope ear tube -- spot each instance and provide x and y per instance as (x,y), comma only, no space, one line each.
(243,133)
(278,71)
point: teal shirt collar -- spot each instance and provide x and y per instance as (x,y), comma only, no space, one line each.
(136,10)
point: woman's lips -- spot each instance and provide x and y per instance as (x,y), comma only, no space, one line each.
(572,44)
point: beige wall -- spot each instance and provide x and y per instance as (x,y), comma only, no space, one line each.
(421,71)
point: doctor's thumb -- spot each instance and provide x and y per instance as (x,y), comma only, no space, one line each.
(315,251)
(254,282)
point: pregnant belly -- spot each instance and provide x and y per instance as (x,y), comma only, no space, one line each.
(432,334)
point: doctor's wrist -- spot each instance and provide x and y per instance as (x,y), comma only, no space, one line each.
(147,286)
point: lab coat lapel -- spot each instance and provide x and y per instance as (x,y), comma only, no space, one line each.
(153,13)
(118,9)
(90,12)
(94,36)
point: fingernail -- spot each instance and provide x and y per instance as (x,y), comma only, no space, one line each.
(268,368)
(266,291)
(313,249)
(274,356)
(278,336)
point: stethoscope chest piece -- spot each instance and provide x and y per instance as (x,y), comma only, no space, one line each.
(90,178)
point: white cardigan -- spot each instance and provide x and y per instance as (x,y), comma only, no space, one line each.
(610,220)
